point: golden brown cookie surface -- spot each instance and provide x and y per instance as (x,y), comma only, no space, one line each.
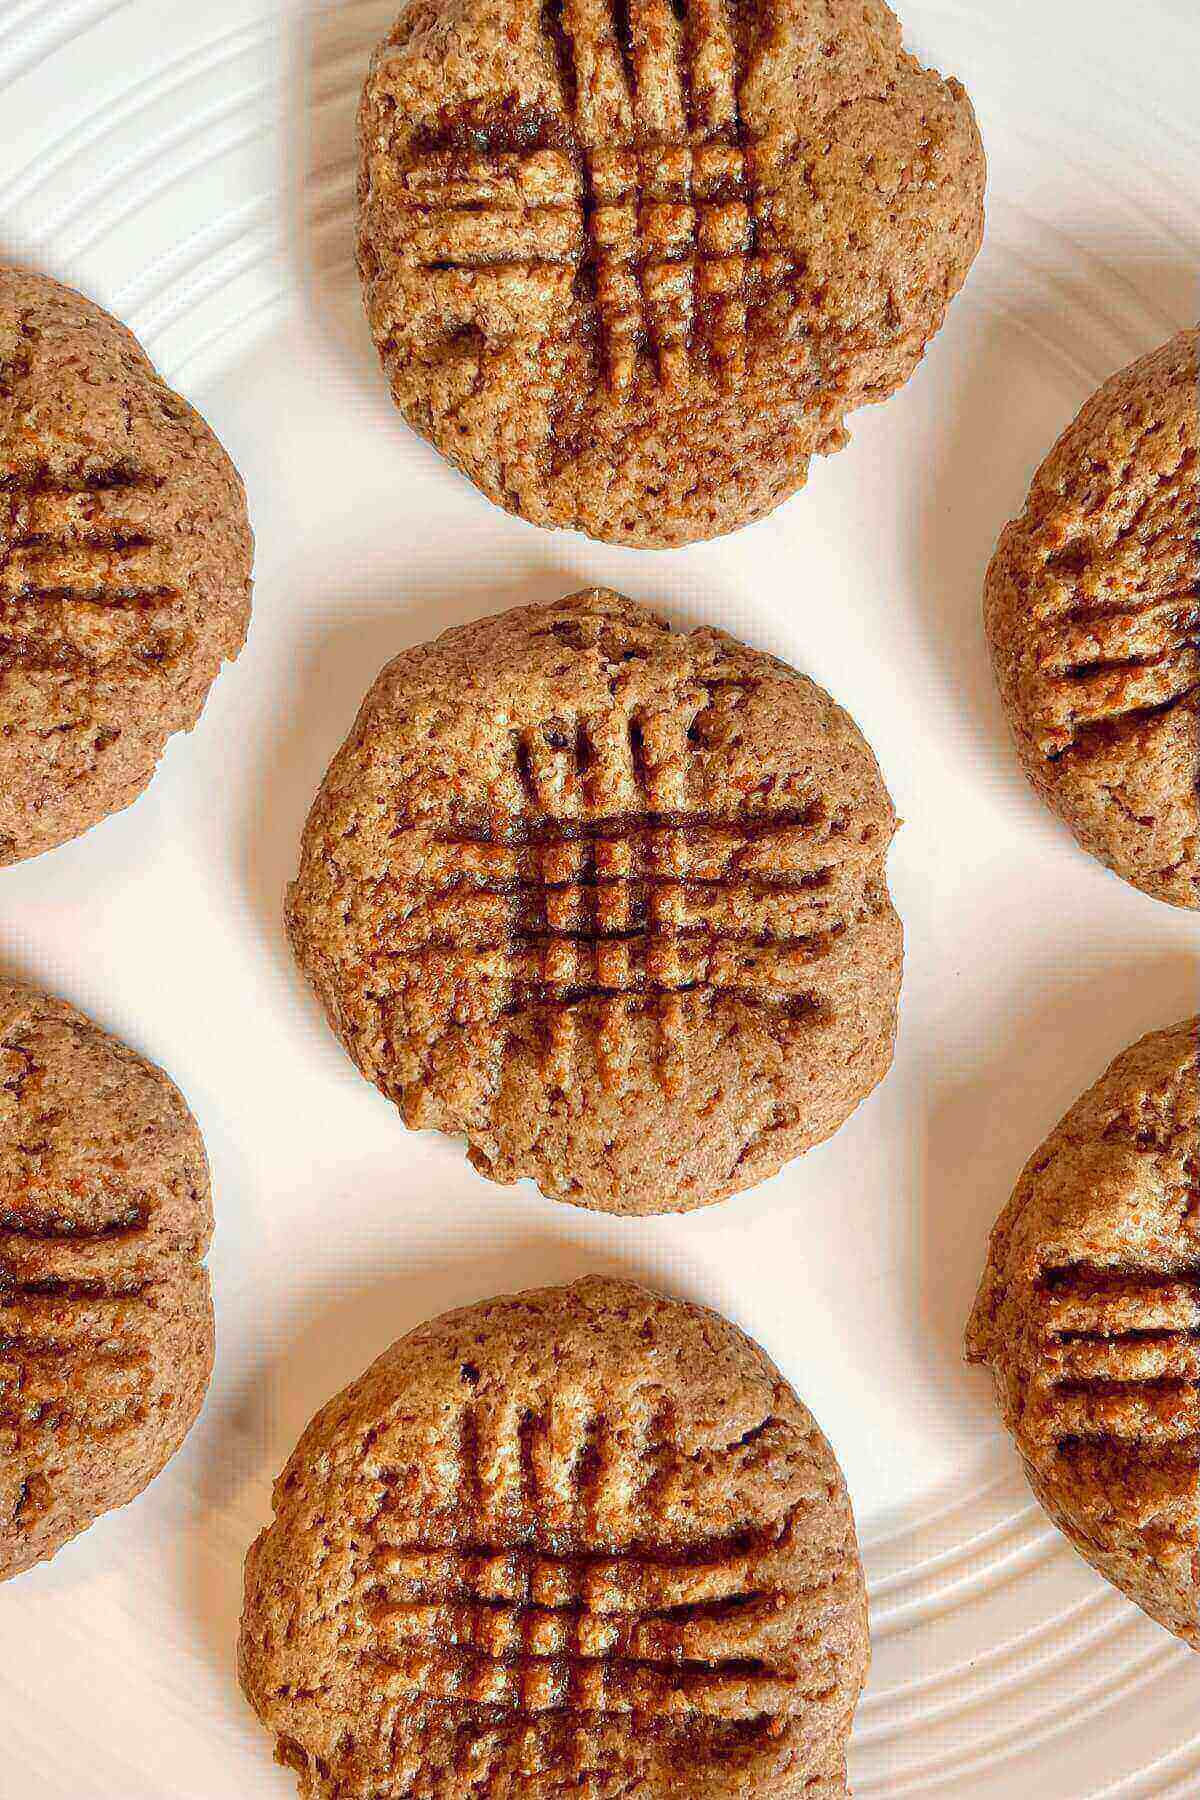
(607,898)
(581,1540)
(1089,1318)
(631,267)
(1093,613)
(106,1336)
(125,559)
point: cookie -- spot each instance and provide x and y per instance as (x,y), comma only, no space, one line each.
(1093,614)
(583,1540)
(125,559)
(106,1332)
(630,266)
(1089,1318)
(608,899)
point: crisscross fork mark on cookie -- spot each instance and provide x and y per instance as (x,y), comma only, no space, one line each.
(671,225)
(490,1615)
(672,234)
(640,912)
(606,908)
(666,226)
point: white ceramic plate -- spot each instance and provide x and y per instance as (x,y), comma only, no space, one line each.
(190,162)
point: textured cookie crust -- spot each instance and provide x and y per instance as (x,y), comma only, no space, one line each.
(1093,614)
(581,1541)
(607,898)
(106,1332)
(630,266)
(125,559)
(1089,1317)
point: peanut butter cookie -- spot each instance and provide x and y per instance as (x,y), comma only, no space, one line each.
(125,560)
(607,898)
(1089,1318)
(106,1334)
(630,266)
(1093,613)
(581,1541)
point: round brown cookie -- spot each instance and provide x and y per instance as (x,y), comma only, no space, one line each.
(630,266)
(580,1540)
(1093,613)
(1089,1317)
(125,558)
(607,898)
(106,1333)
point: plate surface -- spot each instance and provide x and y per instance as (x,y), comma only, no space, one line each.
(192,166)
